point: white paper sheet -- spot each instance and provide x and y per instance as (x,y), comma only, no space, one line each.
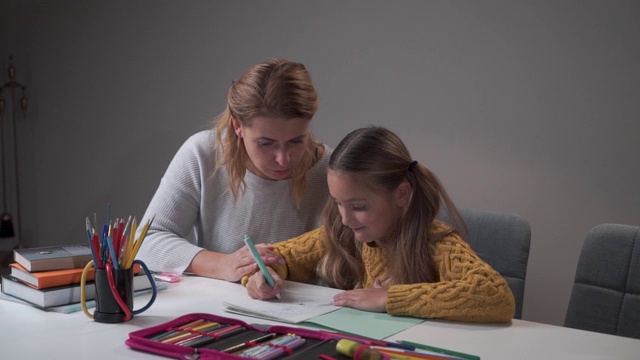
(299,302)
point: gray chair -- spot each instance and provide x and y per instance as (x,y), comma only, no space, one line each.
(502,240)
(606,291)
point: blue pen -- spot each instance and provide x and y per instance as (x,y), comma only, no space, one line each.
(103,244)
(263,268)
(114,260)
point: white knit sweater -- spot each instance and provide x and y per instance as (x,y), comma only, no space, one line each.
(195,210)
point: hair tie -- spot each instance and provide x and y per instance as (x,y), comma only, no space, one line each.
(412,165)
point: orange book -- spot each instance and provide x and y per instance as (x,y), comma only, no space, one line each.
(52,278)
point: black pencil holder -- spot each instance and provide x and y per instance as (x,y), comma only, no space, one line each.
(114,294)
(108,310)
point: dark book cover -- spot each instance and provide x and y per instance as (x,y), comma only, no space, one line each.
(53,257)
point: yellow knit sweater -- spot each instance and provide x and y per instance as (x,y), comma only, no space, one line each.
(468,290)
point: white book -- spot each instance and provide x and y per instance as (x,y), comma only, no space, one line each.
(59,295)
(75,307)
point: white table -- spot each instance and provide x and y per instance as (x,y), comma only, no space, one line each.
(29,333)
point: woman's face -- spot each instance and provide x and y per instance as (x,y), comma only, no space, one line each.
(371,214)
(275,145)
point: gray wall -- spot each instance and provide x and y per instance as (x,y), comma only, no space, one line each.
(528,107)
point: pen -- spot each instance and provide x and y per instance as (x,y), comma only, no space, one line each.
(368,341)
(201,335)
(275,352)
(249,343)
(439,350)
(114,258)
(216,335)
(288,341)
(309,351)
(115,236)
(184,335)
(263,268)
(103,244)
(326,357)
(412,355)
(165,334)
(88,225)
(194,334)
(95,251)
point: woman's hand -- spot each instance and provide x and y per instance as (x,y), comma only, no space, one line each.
(232,267)
(258,288)
(241,263)
(370,299)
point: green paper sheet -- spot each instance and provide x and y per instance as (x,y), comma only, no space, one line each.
(364,323)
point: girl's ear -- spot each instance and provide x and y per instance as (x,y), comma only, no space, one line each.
(403,193)
(236,127)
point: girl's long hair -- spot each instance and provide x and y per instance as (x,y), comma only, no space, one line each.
(378,159)
(277,88)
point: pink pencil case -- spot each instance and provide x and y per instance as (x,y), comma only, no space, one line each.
(200,336)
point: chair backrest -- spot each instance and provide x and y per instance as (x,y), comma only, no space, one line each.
(606,291)
(502,240)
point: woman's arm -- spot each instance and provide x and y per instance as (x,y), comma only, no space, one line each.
(175,209)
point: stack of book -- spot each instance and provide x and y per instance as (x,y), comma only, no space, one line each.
(49,277)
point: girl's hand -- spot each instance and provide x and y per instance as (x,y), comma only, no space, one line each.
(370,299)
(258,288)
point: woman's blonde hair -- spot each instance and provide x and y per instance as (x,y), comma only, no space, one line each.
(277,88)
(378,159)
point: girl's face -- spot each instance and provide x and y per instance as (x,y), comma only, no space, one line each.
(275,145)
(371,214)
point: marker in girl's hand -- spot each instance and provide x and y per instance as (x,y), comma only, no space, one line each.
(258,259)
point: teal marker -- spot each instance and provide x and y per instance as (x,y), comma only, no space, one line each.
(263,268)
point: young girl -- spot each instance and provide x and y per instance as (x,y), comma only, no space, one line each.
(257,172)
(382,243)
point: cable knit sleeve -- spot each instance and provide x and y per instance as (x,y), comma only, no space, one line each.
(469,290)
(301,254)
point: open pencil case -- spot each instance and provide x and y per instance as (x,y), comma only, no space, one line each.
(200,336)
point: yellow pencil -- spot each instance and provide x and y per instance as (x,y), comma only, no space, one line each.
(129,243)
(139,241)
(182,334)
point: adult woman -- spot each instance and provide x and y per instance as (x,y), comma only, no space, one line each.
(258,172)
(382,243)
